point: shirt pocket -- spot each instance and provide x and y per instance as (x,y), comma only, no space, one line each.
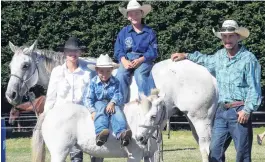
(110,94)
(99,93)
(144,44)
(237,77)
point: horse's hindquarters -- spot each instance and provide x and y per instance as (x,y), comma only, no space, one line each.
(190,87)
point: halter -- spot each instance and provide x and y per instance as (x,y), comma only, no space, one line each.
(158,131)
(24,82)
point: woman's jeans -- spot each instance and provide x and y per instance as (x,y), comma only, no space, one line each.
(225,128)
(142,74)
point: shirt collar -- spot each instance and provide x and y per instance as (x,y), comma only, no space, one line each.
(130,28)
(79,68)
(238,54)
(111,80)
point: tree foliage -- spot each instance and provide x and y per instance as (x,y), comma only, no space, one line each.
(180,25)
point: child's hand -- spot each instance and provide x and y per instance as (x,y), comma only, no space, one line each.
(137,62)
(93,115)
(110,108)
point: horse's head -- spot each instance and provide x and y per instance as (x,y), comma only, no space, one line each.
(24,73)
(13,115)
(153,114)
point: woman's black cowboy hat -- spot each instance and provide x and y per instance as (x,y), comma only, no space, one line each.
(72,43)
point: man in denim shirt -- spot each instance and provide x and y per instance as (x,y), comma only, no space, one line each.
(104,101)
(238,77)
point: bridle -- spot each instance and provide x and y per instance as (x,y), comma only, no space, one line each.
(24,82)
(156,127)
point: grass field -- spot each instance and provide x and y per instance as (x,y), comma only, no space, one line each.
(181,147)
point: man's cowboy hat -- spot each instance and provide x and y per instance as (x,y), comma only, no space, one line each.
(134,5)
(72,43)
(104,61)
(231,26)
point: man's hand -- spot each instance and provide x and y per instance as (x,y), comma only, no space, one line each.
(242,117)
(93,115)
(110,108)
(126,63)
(137,62)
(178,56)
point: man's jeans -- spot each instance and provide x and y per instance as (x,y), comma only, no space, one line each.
(226,127)
(142,74)
(117,119)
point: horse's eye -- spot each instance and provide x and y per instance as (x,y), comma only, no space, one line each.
(25,66)
(153,116)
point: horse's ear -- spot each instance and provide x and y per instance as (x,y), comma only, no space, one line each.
(155,91)
(12,47)
(31,48)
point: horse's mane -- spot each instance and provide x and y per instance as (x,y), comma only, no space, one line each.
(51,58)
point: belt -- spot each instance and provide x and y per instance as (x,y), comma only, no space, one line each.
(137,53)
(234,104)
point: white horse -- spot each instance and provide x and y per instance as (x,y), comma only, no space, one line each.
(189,87)
(69,124)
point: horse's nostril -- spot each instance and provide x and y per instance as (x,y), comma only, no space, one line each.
(144,143)
(141,138)
(14,94)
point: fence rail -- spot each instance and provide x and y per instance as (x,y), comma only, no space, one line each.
(29,120)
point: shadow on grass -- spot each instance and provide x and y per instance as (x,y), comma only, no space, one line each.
(179,149)
(12,135)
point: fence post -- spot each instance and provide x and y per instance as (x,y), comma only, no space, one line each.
(168,128)
(3,140)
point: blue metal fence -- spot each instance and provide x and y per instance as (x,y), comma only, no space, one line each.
(3,140)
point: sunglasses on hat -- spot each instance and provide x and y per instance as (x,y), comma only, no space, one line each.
(228,29)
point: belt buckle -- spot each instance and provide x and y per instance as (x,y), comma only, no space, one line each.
(229,105)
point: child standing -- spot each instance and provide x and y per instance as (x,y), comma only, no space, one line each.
(136,49)
(104,99)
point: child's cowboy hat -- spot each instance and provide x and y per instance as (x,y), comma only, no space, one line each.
(134,5)
(103,61)
(231,26)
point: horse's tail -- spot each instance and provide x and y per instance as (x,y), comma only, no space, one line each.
(37,145)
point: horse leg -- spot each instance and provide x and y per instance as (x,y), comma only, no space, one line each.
(193,131)
(19,126)
(59,150)
(149,159)
(59,156)
(203,129)
(136,158)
